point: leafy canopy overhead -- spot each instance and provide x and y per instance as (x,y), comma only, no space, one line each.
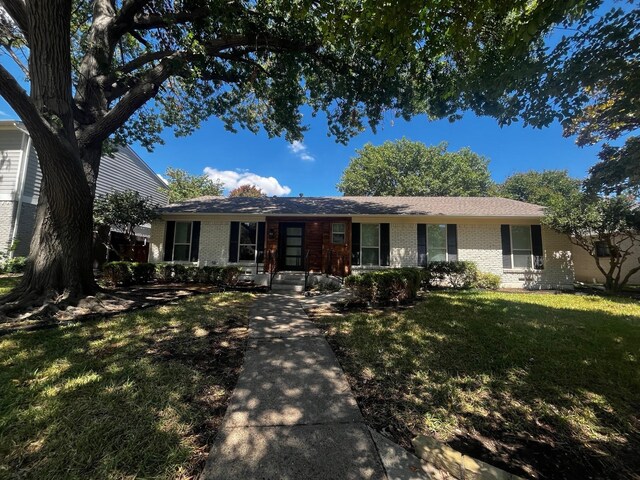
(183,186)
(540,188)
(405,168)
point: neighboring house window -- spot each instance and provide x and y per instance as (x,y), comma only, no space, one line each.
(370,243)
(522,255)
(247,241)
(436,243)
(602,249)
(182,242)
(338,231)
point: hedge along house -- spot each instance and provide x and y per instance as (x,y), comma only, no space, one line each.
(344,235)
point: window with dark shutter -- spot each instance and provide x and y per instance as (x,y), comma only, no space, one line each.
(234,236)
(505,232)
(355,244)
(195,241)
(536,247)
(385,244)
(422,244)
(452,242)
(168,241)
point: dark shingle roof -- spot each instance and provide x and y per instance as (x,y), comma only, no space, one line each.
(430,206)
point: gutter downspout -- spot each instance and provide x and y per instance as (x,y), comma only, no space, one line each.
(20,190)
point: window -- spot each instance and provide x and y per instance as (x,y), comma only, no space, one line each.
(338,233)
(436,243)
(370,243)
(182,242)
(521,246)
(247,241)
(602,249)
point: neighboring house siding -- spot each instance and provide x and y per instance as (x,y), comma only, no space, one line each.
(10,156)
(25,229)
(587,271)
(125,171)
(33,178)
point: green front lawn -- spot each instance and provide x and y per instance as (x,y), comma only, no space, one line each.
(535,383)
(139,395)
(7,283)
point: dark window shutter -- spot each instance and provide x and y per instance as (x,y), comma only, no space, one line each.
(355,244)
(195,241)
(452,242)
(233,241)
(385,245)
(260,245)
(505,232)
(422,244)
(168,241)
(536,247)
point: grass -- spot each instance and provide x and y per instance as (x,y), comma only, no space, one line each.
(539,384)
(7,283)
(136,396)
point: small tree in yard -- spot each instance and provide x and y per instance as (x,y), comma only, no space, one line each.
(247,191)
(125,211)
(593,222)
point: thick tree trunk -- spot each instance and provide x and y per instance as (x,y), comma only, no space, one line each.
(60,266)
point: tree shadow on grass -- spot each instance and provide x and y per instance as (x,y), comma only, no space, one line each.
(135,395)
(545,386)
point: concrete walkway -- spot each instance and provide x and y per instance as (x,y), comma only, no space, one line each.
(292,414)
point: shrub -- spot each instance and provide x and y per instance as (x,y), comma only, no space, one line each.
(384,287)
(489,281)
(143,272)
(458,274)
(118,273)
(12,265)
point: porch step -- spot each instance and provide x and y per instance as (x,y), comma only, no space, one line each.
(288,281)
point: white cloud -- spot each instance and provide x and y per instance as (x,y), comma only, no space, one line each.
(300,149)
(3,113)
(233,179)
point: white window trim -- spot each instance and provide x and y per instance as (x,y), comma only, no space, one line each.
(531,259)
(254,245)
(173,252)
(365,246)
(343,233)
(446,241)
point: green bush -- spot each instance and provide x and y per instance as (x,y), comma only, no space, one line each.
(210,275)
(489,281)
(143,272)
(118,273)
(457,274)
(12,265)
(383,287)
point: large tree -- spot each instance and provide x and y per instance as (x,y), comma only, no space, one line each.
(183,186)
(247,191)
(126,69)
(538,187)
(595,224)
(405,168)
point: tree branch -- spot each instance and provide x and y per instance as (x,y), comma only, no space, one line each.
(17,10)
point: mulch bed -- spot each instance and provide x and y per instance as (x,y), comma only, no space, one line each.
(112,301)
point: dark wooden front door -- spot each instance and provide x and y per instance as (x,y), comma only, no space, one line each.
(291,248)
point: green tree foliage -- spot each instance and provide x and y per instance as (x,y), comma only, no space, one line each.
(123,211)
(99,69)
(540,188)
(247,191)
(590,82)
(613,221)
(183,185)
(405,168)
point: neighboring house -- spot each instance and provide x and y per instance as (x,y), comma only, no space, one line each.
(587,271)
(341,235)
(20,184)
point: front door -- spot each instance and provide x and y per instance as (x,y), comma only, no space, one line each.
(291,246)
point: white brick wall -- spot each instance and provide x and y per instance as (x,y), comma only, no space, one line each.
(404,244)
(214,242)
(6,224)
